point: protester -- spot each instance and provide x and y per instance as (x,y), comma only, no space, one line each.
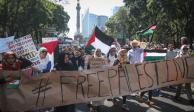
(11,62)
(184,41)
(122,59)
(117,45)
(77,60)
(83,57)
(171,53)
(184,52)
(44,67)
(45,63)
(101,61)
(97,55)
(112,55)
(64,63)
(135,55)
(70,52)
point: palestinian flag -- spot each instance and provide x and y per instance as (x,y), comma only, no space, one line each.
(13,85)
(150,30)
(51,45)
(153,55)
(100,40)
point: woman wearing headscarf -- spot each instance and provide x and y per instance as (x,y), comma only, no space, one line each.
(122,59)
(45,63)
(95,62)
(112,55)
(96,56)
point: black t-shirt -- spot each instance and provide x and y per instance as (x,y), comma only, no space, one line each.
(25,63)
(67,66)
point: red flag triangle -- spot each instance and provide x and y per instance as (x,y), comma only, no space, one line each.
(50,46)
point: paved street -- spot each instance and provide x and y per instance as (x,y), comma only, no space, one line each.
(164,103)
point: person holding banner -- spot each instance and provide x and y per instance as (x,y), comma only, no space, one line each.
(11,62)
(136,55)
(65,64)
(44,67)
(184,52)
(122,59)
(95,62)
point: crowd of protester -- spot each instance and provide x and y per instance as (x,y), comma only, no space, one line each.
(76,59)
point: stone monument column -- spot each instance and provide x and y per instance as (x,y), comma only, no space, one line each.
(78,17)
(78,35)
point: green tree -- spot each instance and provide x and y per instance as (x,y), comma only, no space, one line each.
(174,18)
(21,17)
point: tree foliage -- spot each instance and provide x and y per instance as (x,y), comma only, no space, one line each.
(21,17)
(174,18)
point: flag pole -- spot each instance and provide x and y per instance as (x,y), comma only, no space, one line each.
(150,40)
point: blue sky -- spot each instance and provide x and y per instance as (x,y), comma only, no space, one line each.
(99,7)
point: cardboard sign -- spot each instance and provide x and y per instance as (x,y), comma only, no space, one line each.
(96,63)
(69,87)
(24,47)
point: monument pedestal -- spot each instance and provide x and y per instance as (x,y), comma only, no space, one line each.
(79,37)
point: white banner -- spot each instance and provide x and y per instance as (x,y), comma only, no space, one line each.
(24,47)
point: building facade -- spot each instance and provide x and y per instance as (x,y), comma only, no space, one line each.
(115,10)
(89,21)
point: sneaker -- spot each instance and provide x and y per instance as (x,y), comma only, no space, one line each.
(191,102)
(125,107)
(150,103)
(141,99)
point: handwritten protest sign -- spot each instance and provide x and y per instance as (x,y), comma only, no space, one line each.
(68,87)
(4,44)
(96,62)
(24,47)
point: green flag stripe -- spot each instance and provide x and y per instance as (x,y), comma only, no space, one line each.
(154,58)
(89,48)
(148,32)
